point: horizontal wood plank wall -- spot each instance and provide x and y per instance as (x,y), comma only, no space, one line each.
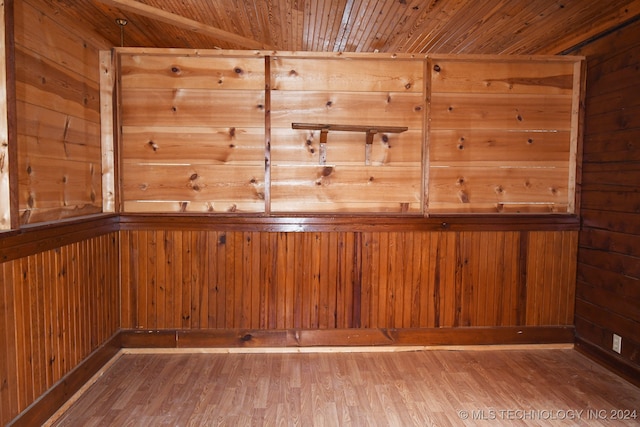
(58,110)
(231,131)
(56,307)
(192,133)
(309,176)
(503,134)
(213,279)
(608,288)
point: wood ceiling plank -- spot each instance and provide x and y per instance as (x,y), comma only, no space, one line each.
(623,13)
(182,22)
(384,23)
(431,26)
(399,26)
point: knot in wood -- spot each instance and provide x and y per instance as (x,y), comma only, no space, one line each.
(326,171)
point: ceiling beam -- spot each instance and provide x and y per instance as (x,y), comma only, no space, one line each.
(185,23)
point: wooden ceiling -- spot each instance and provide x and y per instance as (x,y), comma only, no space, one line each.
(400,26)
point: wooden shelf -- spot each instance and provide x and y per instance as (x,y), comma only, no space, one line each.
(349,128)
(368,130)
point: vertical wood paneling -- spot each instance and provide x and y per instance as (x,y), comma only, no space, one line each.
(9,393)
(329,280)
(551,259)
(56,307)
(488,266)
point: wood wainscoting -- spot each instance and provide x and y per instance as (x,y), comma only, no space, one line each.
(59,305)
(206,283)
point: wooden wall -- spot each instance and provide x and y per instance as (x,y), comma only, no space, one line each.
(192,133)
(289,133)
(198,277)
(608,287)
(358,91)
(503,134)
(58,110)
(59,302)
(59,283)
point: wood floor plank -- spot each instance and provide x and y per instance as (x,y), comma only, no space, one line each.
(423,388)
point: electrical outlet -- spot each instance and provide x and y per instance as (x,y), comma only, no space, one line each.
(617,343)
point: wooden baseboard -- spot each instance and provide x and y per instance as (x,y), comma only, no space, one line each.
(46,405)
(610,361)
(249,338)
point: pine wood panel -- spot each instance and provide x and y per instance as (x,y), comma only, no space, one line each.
(57,307)
(345,188)
(58,128)
(196,72)
(193,182)
(503,134)
(193,135)
(518,112)
(192,107)
(199,279)
(502,140)
(498,189)
(193,144)
(359,75)
(502,75)
(348,91)
(494,147)
(350,108)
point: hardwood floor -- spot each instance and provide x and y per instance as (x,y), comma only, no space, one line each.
(406,388)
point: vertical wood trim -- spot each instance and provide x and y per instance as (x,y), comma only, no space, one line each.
(5,159)
(356,321)
(458,282)
(267,135)
(9,203)
(521,290)
(107,80)
(8,394)
(426,140)
(116,101)
(577,134)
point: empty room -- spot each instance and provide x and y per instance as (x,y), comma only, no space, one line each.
(341,212)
